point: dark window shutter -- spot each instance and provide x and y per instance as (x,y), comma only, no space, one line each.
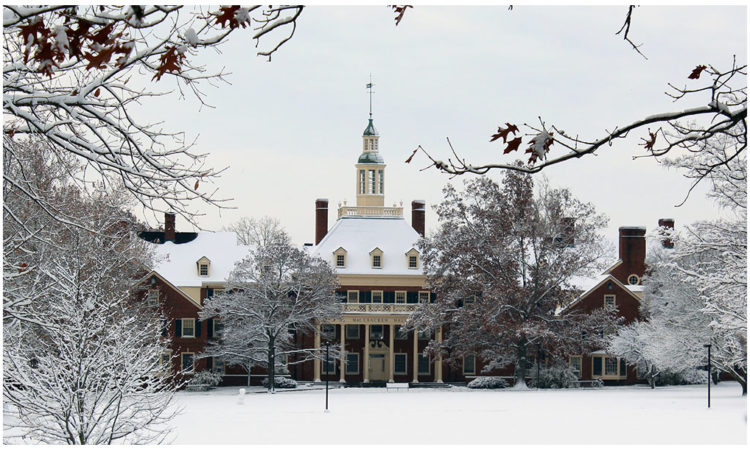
(210,328)
(389,297)
(197,328)
(178,327)
(365,296)
(210,363)
(163,327)
(623,367)
(411,297)
(597,365)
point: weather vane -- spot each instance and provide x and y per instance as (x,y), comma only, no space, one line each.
(369,86)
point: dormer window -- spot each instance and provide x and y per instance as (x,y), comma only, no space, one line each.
(376,258)
(339,258)
(412,259)
(203,265)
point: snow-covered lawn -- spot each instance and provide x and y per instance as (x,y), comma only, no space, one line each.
(617,415)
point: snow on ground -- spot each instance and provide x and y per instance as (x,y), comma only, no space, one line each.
(612,415)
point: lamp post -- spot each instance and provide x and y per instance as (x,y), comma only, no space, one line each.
(327,345)
(708,368)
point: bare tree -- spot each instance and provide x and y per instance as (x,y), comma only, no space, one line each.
(721,113)
(502,264)
(72,73)
(82,360)
(275,291)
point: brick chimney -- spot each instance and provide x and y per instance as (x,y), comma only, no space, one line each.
(321,219)
(417,216)
(632,253)
(169,230)
(669,224)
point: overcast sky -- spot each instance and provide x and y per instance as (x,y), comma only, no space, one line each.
(289,131)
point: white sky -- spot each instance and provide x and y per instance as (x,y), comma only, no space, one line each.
(290,130)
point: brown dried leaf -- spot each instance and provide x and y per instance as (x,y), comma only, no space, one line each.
(400,11)
(512,145)
(696,73)
(408,160)
(503,132)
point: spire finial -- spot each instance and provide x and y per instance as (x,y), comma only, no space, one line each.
(369,87)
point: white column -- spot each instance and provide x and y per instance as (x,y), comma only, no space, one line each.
(316,363)
(439,362)
(415,359)
(342,377)
(390,353)
(366,356)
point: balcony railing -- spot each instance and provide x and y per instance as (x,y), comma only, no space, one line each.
(392,308)
(382,211)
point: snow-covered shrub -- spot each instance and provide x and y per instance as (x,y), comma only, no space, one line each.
(487,383)
(685,377)
(554,378)
(282,383)
(206,378)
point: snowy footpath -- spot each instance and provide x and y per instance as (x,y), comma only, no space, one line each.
(616,415)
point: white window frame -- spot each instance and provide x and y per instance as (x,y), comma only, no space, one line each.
(379,293)
(637,279)
(340,260)
(423,300)
(610,296)
(353,294)
(413,253)
(577,369)
(218,331)
(185,320)
(406,363)
(217,361)
(339,252)
(395,297)
(332,333)
(379,253)
(349,372)
(152,298)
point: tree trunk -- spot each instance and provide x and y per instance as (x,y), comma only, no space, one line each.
(521,362)
(271,366)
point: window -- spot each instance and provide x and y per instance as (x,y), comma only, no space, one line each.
(361,182)
(166,360)
(399,363)
(339,257)
(424,297)
(412,258)
(380,175)
(218,365)
(352,331)
(597,366)
(376,258)
(469,365)
(352,363)
(401,334)
(609,300)
(574,363)
(329,366)
(400,296)
(633,279)
(372,181)
(152,298)
(424,335)
(188,328)
(328,331)
(423,364)
(218,328)
(203,264)
(376,332)
(377,296)
(188,360)
(610,366)
(352,296)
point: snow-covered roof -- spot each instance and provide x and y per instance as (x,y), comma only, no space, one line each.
(634,287)
(360,235)
(586,283)
(177,262)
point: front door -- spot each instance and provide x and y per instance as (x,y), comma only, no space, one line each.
(378,367)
